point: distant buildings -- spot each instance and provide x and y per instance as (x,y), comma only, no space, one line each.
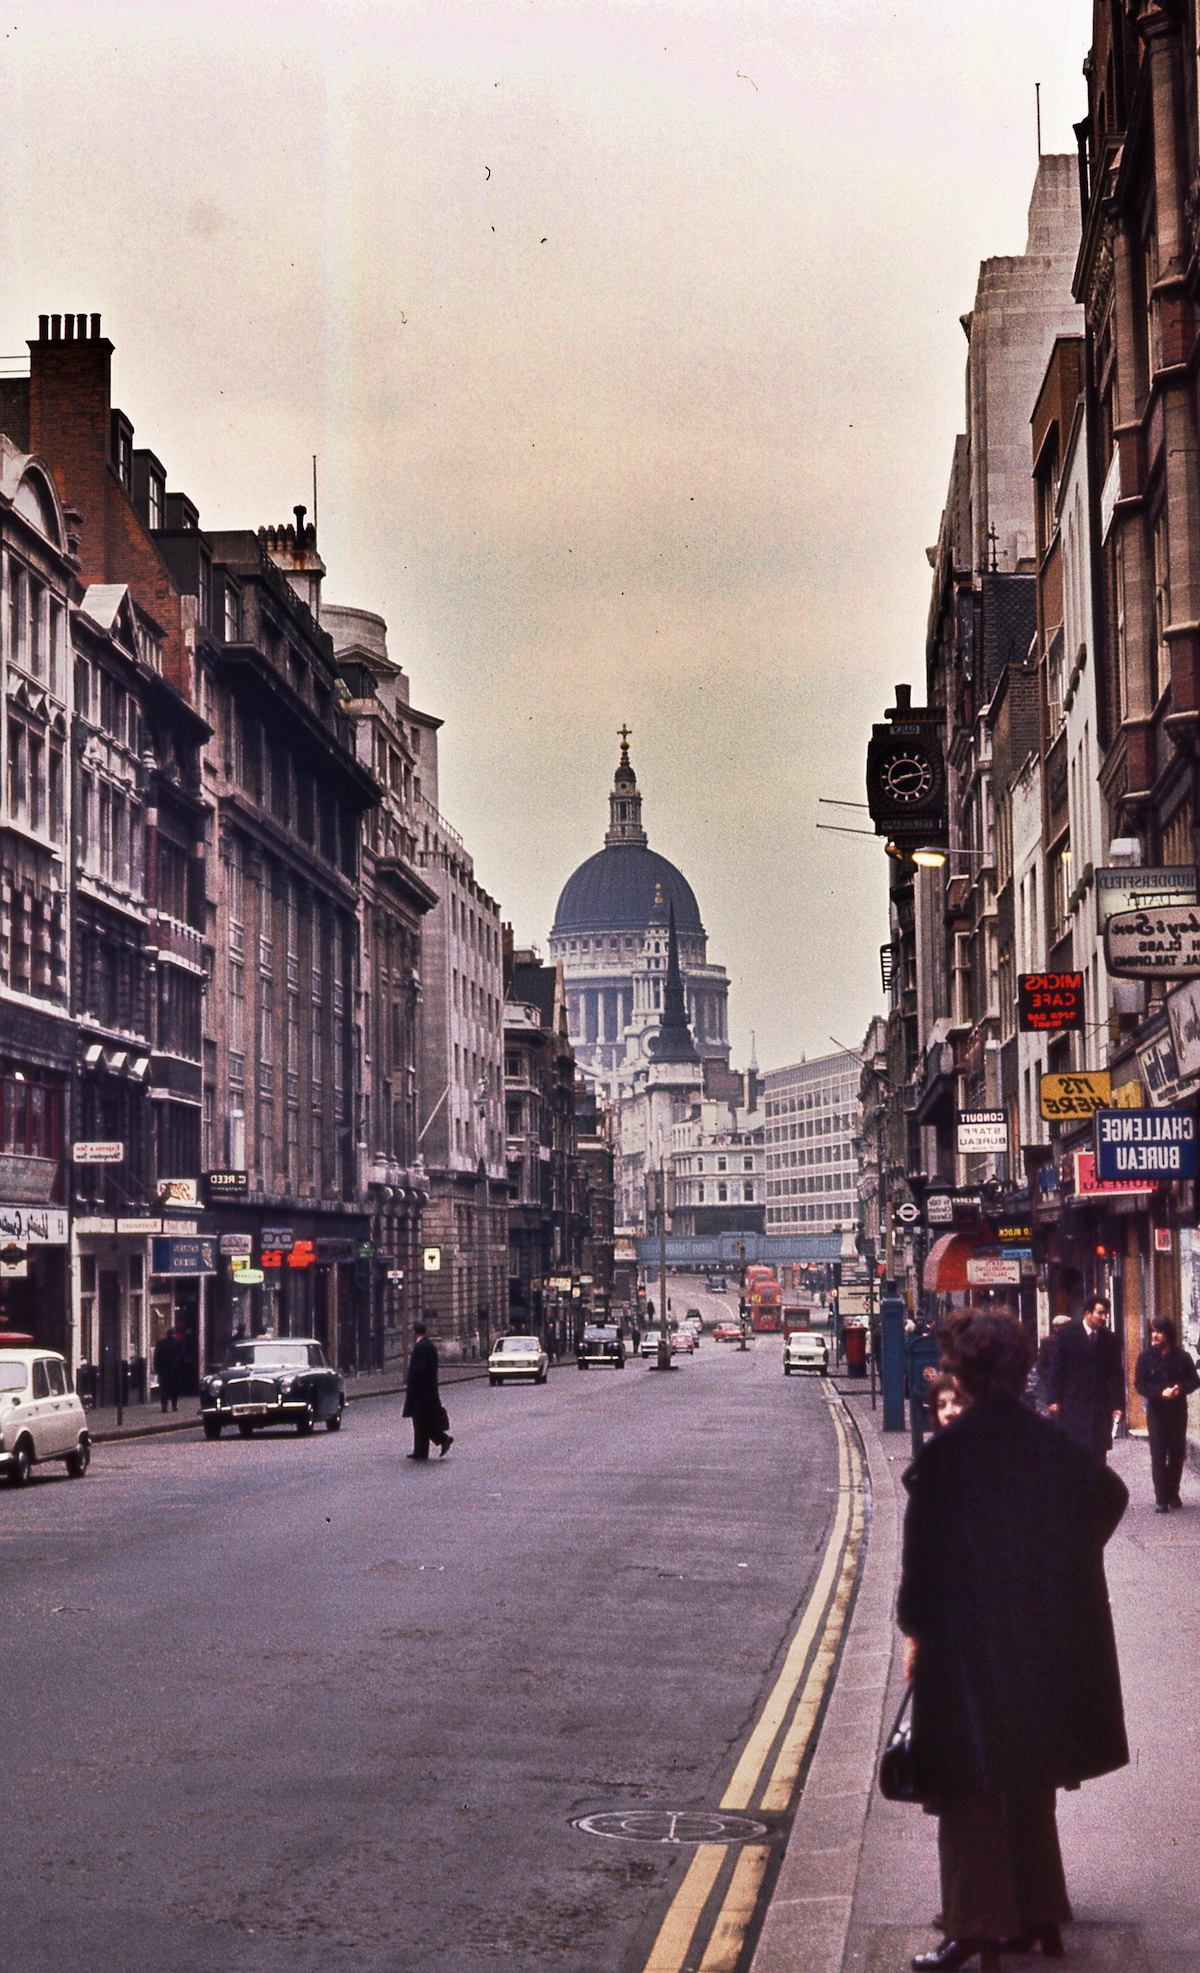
(810,1119)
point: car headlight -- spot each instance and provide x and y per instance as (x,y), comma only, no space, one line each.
(286,1385)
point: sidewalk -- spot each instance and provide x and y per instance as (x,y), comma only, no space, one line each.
(147,1421)
(859,1883)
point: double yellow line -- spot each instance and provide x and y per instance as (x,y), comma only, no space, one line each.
(784,1728)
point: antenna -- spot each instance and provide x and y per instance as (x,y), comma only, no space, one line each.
(1037,91)
(314,459)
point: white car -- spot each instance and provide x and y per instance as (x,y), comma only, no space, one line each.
(517,1356)
(40,1416)
(649,1343)
(806,1350)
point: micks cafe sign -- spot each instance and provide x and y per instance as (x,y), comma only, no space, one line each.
(1049,1003)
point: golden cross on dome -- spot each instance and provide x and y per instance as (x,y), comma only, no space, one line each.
(623,734)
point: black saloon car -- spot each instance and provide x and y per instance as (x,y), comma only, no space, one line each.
(284,1381)
(601,1342)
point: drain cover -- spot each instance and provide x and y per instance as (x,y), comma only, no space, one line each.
(669,1826)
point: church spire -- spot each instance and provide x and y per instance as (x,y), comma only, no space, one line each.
(625,803)
(673,1042)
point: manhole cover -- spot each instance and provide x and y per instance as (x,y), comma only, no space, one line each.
(669,1826)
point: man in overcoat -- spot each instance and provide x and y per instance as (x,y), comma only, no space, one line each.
(1086,1384)
(1166,1377)
(422,1402)
(1016,1687)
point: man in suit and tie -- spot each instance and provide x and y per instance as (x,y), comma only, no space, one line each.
(1086,1383)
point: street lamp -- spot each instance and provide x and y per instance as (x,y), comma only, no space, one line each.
(660,1200)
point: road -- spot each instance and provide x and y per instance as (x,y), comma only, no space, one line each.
(275,1701)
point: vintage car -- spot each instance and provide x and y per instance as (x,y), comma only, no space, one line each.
(601,1342)
(806,1349)
(729,1330)
(40,1415)
(272,1381)
(517,1356)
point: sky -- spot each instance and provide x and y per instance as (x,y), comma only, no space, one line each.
(627,339)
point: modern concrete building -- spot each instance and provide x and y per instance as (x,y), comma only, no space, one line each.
(811,1122)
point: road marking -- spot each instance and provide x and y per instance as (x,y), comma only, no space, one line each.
(725,1943)
(675,1934)
(779,1790)
(825,1611)
(745,1778)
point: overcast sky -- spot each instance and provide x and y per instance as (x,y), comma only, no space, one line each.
(628,339)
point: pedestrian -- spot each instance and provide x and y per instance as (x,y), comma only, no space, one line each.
(1016,1688)
(1166,1377)
(422,1402)
(944,1400)
(1085,1385)
(168,1365)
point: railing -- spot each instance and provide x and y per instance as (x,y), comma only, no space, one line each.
(179,941)
(446,828)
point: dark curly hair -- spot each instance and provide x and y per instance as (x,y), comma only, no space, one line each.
(989,1354)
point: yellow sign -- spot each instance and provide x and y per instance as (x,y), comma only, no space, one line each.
(1079,1095)
(432,1258)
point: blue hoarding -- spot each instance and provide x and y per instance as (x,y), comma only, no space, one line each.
(1145,1144)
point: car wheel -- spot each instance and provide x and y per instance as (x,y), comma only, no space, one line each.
(212,1428)
(245,1427)
(22,1461)
(583,1363)
(787,1369)
(77,1462)
(494,1382)
(540,1378)
(334,1424)
(304,1423)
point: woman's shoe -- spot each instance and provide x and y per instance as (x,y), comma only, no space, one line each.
(956,1952)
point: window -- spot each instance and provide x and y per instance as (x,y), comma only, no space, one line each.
(1162,608)
(204,591)
(16,770)
(232,614)
(154,501)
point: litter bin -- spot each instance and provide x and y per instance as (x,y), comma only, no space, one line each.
(854,1337)
(922,1354)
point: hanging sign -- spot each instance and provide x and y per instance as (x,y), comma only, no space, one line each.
(1082,1167)
(431,1259)
(1143,890)
(227,1184)
(981,1130)
(1183,1016)
(993,1271)
(248,1277)
(1049,1003)
(235,1244)
(1145,1144)
(170,1256)
(92,1152)
(1079,1095)
(1154,944)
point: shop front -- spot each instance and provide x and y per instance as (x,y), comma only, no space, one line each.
(303,1274)
(33,1274)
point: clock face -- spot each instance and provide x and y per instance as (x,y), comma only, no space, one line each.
(906,775)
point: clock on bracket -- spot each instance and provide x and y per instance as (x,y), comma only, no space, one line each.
(906,779)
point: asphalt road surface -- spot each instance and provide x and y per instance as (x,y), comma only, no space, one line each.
(289,1702)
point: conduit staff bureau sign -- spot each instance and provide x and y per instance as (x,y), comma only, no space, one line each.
(1145,1144)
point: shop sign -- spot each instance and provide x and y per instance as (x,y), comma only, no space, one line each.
(11,1270)
(1146,1144)
(1088,1186)
(1159,1065)
(1163,944)
(178,1191)
(431,1260)
(395,1274)
(1049,1003)
(34,1226)
(91,1224)
(92,1152)
(278,1236)
(335,1247)
(197,1256)
(227,1184)
(939,1209)
(1163,1240)
(143,1225)
(993,1271)
(1183,1016)
(1143,890)
(1079,1095)
(303,1254)
(1014,1233)
(981,1130)
(248,1277)
(235,1243)
(365,1250)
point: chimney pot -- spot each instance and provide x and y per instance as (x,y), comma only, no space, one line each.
(95,328)
(56,328)
(68,328)
(299,512)
(81,327)
(903,697)
(43,327)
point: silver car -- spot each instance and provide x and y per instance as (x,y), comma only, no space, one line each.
(805,1350)
(517,1356)
(41,1417)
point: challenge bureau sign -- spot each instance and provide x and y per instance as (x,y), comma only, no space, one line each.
(1145,1144)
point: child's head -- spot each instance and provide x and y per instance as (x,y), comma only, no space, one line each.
(944,1400)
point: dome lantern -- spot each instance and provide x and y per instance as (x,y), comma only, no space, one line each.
(625,802)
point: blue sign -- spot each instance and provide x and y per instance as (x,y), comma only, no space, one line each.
(1134,1144)
(197,1256)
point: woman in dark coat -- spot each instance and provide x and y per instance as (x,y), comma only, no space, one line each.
(1016,1690)
(1166,1378)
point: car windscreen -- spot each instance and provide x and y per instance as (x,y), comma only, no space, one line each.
(284,1356)
(12,1376)
(518,1345)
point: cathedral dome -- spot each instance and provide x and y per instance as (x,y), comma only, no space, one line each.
(616,890)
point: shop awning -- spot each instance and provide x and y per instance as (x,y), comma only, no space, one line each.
(946,1263)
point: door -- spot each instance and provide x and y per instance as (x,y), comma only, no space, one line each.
(62,1419)
(109,1297)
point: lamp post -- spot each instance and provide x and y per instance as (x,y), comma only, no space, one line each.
(657,1201)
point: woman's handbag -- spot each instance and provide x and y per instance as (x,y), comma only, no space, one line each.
(896,1763)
